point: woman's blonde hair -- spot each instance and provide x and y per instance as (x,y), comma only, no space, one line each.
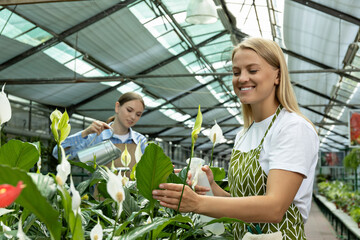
(272,54)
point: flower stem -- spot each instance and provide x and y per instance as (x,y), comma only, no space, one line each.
(212,153)
(59,152)
(187,171)
(116,219)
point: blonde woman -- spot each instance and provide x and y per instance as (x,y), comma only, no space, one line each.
(273,161)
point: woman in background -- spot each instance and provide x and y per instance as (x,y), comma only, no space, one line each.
(128,110)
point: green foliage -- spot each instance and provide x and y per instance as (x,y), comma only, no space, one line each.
(31,199)
(153,169)
(352,160)
(19,154)
(46,207)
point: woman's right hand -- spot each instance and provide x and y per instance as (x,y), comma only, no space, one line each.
(95,127)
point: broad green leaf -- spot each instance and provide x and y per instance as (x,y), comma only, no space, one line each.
(219,173)
(173,178)
(31,199)
(156,226)
(153,169)
(197,127)
(19,154)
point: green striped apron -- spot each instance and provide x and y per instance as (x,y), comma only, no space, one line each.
(247,178)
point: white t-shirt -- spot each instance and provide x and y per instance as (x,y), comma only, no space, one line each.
(291,144)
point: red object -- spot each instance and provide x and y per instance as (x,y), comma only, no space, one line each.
(9,193)
(355,128)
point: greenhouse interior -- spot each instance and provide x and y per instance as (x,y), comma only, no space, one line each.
(68,172)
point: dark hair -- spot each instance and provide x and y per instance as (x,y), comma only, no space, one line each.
(127,97)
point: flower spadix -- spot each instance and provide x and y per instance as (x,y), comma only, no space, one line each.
(60,126)
(63,169)
(9,193)
(216,134)
(5,108)
(125,157)
(97,232)
(197,127)
(115,188)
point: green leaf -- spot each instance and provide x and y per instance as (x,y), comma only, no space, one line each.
(129,205)
(173,178)
(82,165)
(19,154)
(157,226)
(197,127)
(153,169)
(31,199)
(64,126)
(219,173)
(226,220)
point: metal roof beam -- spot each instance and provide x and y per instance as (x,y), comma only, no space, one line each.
(66,33)
(153,68)
(330,11)
(321,65)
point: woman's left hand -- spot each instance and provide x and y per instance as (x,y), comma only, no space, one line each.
(169,196)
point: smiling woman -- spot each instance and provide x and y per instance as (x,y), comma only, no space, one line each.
(273,160)
(117,129)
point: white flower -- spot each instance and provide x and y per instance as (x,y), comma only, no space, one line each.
(5,108)
(63,169)
(115,189)
(5,229)
(4,211)
(76,199)
(97,232)
(195,169)
(125,157)
(216,134)
(20,234)
(138,152)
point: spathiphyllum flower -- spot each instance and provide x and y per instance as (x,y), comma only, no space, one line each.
(5,108)
(197,127)
(125,157)
(60,126)
(76,199)
(138,152)
(63,169)
(5,229)
(97,232)
(216,134)
(115,189)
(9,193)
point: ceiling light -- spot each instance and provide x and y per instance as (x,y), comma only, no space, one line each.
(201,12)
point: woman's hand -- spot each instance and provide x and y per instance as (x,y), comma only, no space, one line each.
(169,196)
(198,189)
(95,127)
